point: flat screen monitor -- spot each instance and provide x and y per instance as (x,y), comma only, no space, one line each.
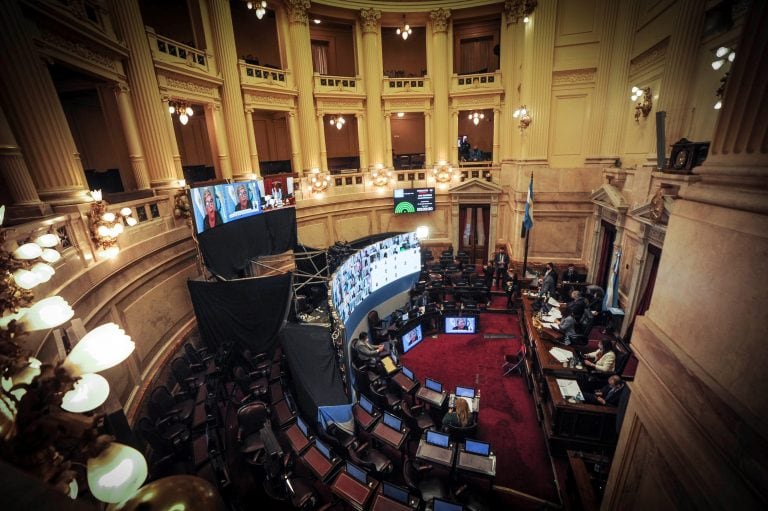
(302,426)
(404,317)
(366,405)
(324,450)
(392,421)
(395,492)
(433,385)
(444,505)
(460,324)
(467,392)
(438,439)
(477,447)
(407,372)
(412,338)
(216,205)
(414,200)
(357,472)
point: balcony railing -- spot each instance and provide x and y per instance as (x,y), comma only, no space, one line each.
(347,84)
(477,81)
(168,50)
(262,75)
(404,85)
(90,11)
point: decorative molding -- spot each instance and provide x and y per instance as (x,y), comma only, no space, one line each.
(370,19)
(271,99)
(341,103)
(439,19)
(78,49)
(195,88)
(297,11)
(573,76)
(485,101)
(406,103)
(516,10)
(651,57)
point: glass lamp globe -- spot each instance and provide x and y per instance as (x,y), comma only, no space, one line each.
(117,473)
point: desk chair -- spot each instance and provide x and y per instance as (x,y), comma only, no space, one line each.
(251,419)
(372,460)
(417,418)
(460,433)
(417,479)
(514,363)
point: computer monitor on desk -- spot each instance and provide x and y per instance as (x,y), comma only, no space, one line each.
(302,426)
(477,447)
(433,385)
(466,392)
(393,422)
(324,449)
(365,404)
(356,472)
(438,439)
(395,493)
(407,372)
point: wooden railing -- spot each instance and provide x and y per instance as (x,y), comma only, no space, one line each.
(476,81)
(404,85)
(327,83)
(262,75)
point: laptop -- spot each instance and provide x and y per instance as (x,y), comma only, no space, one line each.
(433,385)
(302,426)
(393,422)
(477,447)
(395,493)
(365,404)
(438,439)
(324,449)
(466,392)
(477,457)
(444,505)
(436,447)
(407,372)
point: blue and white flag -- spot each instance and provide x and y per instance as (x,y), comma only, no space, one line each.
(528,217)
(611,299)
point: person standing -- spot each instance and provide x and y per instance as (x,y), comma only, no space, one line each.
(501,262)
(549,281)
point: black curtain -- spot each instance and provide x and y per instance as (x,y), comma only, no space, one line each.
(315,376)
(246,311)
(229,248)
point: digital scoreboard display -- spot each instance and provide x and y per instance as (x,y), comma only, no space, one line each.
(414,200)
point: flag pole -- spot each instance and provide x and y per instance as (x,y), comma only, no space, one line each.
(525,256)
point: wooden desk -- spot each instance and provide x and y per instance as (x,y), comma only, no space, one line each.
(436,399)
(406,384)
(389,436)
(319,464)
(483,465)
(364,419)
(352,491)
(584,477)
(282,414)
(540,346)
(435,454)
(296,439)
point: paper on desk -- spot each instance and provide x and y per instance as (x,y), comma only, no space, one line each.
(569,388)
(560,354)
(553,302)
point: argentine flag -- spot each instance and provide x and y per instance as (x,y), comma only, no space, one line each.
(611,299)
(528,217)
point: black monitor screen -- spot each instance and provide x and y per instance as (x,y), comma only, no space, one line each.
(412,338)
(439,439)
(323,449)
(357,472)
(477,447)
(460,324)
(433,385)
(407,372)
(302,426)
(395,492)
(365,404)
(444,505)
(414,200)
(392,421)
(467,392)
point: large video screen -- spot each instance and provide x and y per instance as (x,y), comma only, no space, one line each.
(414,200)
(219,204)
(372,268)
(412,338)
(460,324)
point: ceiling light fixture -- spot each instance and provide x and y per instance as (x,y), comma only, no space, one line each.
(405,30)
(260,8)
(475,117)
(338,121)
(183,110)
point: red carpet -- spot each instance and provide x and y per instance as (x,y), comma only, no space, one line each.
(507,417)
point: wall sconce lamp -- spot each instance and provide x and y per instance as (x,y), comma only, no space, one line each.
(476,117)
(319,181)
(525,118)
(107,226)
(183,110)
(722,55)
(260,8)
(405,30)
(644,106)
(720,92)
(381,177)
(338,121)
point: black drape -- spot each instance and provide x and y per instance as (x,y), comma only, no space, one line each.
(246,311)
(314,373)
(228,249)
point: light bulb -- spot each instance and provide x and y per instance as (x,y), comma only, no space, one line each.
(131,221)
(103,347)
(118,229)
(718,64)
(126,211)
(250,5)
(339,126)
(189,111)
(526,19)
(405,35)
(28,251)
(722,51)
(731,56)
(47,240)
(333,121)
(96,195)
(407,28)
(89,392)
(102,231)
(43,271)
(25,279)
(50,255)
(108,217)
(397,31)
(47,313)
(117,473)
(171,109)
(516,114)
(183,119)
(635,90)
(476,121)
(718,105)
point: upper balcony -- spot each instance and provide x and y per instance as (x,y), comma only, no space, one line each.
(478,82)
(411,86)
(175,56)
(263,76)
(328,85)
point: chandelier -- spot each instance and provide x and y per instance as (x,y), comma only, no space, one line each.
(106,226)
(475,117)
(405,30)
(183,110)
(319,181)
(338,121)
(260,8)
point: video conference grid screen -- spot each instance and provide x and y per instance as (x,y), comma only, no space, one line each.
(372,268)
(460,325)
(412,338)
(414,200)
(216,205)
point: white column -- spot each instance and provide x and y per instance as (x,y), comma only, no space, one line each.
(362,141)
(496,145)
(252,141)
(174,144)
(321,139)
(293,133)
(388,139)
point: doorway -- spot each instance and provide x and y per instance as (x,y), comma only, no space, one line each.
(606,254)
(474,223)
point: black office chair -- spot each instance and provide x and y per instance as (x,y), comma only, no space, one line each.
(417,479)
(460,433)
(164,406)
(251,418)
(370,459)
(188,376)
(514,363)
(417,418)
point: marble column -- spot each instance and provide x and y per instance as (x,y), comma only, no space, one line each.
(231,96)
(131,133)
(215,121)
(34,112)
(496,144)
(321,137)
(293,133)
(454,137)
(301,65)
(163,170)
(439,19)
(174,143)
(510,30)
(252,141)
(377,141)
(428,159)
(14,169)
(362,141)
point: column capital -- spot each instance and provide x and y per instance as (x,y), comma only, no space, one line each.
(439,19)
(370,18)
(213,107)
(248,110)
(516,10)
(120,88)
(291,114)
(320,114)
(297,11)
(387,115)
(359,115)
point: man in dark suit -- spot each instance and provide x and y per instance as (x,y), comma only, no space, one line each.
(569,275)
(501,262)
(610,395)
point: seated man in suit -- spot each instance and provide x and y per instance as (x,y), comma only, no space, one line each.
(569,275)
(610,395)
(365,351)
(578,304)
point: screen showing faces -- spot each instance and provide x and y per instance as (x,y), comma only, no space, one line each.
(460,325)
(372,268)
(477,447)
(433,385)
(392,421)
(467,392)
(220,204)
(414,200)
(365,404)
(357,472)
(323,449)
(302,426)
(439,439)
(394,492)
(412,338)
(444,505)
(407,372)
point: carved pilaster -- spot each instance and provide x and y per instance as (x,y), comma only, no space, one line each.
(297,11)
(439,19)
(370,20)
